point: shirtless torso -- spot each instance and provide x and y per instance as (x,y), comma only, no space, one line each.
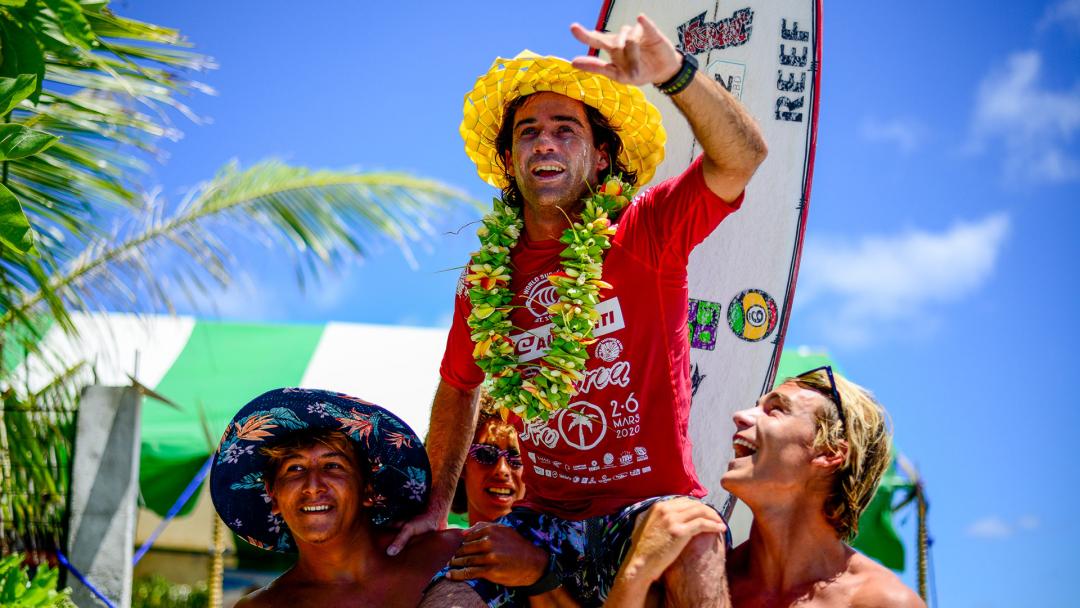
(384,581)
(860,582)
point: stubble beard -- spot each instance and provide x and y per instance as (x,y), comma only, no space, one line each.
(569,201)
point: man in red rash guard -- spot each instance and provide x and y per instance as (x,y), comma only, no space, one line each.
(546,131)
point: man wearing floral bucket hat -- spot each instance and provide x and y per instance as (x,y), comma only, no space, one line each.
(573,312)
(328,476)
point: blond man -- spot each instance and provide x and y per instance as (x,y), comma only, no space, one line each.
(808,457)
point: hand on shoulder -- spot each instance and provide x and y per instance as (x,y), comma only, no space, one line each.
(499,554)
(432,546)
(431,520)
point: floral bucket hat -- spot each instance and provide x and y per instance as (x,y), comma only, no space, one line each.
(399,472)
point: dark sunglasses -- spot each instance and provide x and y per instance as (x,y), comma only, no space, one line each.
(489,455)
(833,393)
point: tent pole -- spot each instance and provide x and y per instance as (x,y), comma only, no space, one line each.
(217,564)
(923,546)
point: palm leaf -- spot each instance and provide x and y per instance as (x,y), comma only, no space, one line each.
(323,215)
(109,85)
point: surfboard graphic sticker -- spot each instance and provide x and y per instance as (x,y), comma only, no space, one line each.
(752,315)
(742,278)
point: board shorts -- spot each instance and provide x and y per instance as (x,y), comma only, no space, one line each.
(587,553)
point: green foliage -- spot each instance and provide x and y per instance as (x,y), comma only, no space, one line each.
(85,98)
(15,233)
(157,592)
(19,590)
(16,141)
(38,430)
(14,90)
(20,53)
(100,86)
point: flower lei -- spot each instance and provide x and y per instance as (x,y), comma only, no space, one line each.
(573,316)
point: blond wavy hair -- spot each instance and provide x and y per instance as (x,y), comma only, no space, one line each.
(869,447)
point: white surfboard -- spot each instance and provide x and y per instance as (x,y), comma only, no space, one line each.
(742,278)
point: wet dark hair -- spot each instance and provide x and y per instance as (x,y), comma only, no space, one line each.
(603,133)
(335,440)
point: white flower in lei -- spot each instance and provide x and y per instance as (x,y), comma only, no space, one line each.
(573,316)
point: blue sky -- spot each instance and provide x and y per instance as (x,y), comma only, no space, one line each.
(941,246)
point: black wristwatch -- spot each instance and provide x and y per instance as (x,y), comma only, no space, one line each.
(682,78)
(548,581)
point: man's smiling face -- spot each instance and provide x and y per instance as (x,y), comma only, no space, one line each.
(774,443)
(553,158)
(492,489)
(317,491)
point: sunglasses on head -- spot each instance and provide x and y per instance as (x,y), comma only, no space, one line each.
(833,393)
(489,455)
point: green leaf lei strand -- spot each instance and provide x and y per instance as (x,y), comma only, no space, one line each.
(573,316)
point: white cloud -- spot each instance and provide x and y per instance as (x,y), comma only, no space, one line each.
(1066,12)
(993,527)
(904,133)
(884,283)
(1032,127)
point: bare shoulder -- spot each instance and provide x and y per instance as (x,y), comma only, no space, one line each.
(878,587)
(279,592)
(256,599)
(442,540)
(433,547)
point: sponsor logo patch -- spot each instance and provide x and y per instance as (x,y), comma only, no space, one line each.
(534,343)
(752,315)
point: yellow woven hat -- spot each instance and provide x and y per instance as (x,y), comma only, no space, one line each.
(635,119)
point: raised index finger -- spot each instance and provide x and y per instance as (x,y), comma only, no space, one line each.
(648,27)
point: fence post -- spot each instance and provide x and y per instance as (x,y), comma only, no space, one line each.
(104,488)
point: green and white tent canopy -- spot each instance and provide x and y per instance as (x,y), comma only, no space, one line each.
(210,369)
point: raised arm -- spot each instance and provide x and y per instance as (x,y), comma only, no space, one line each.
(730,138)
(453,422)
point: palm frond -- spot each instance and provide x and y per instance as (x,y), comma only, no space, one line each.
(323,215)
(109,86)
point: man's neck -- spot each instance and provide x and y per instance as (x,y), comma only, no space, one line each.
(548,223)
(792,546)
(349,558)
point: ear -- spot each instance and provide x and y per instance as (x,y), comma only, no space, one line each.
(274,509)
(831,460)
(603,162)
(368,492)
